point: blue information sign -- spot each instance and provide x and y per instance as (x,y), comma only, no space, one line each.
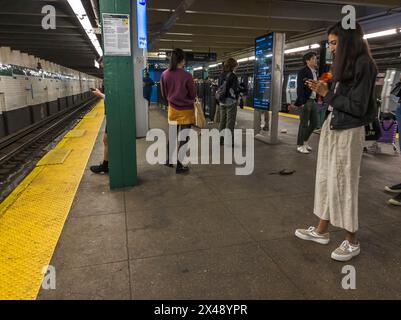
(263,71)
(142,24)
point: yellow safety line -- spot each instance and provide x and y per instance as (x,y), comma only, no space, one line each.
(282,114)
(33,216)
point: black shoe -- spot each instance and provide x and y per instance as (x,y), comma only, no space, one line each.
(221,141)
(167,164)
(396,201)
(101,168)
(180,170)
(394,189)
(265,128)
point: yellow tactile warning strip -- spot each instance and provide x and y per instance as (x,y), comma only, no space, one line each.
(56,156)
(76,133)
(91,115)
(33,216)
(282,114)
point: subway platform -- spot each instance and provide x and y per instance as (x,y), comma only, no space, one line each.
(206,235)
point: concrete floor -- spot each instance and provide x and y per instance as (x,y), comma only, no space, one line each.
(214,235)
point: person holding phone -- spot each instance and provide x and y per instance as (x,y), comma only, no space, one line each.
(352,105)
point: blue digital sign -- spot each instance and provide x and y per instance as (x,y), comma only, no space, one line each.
(142,24)
(263,71)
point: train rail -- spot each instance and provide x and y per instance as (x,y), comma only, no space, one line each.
(20,152)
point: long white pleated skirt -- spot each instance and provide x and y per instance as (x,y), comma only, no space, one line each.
(337,175)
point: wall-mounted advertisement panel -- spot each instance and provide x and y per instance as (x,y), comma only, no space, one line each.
(264,47)
(116,29)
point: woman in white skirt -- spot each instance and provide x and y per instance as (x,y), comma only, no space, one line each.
(352,103)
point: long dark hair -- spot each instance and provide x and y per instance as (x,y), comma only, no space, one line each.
(177,56)
(351,45)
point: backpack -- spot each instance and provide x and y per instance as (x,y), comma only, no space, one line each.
(221,92)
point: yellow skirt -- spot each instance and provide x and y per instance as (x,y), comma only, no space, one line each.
(181,117)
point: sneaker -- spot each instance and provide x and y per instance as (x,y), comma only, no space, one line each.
(302,149)
(394,189)
(396,201)
(317,131)
(346,251)
(101,168)
(182,170)
(311,235)
(307,146)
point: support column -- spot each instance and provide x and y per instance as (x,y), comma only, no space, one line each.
(120,105)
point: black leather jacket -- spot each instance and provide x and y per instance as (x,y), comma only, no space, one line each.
(354,103)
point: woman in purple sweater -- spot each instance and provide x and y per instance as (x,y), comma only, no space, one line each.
(178,88)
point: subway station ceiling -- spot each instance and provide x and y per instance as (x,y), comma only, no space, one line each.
(67,45)
(225,26)
(220,26)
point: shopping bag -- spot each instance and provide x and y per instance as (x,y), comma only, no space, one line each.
(373,130)
(199,115)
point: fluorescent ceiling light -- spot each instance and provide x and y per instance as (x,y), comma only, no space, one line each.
(242,60)
(380,34)
(269,55)
(179,34)
(251,58)
(97,64)
(175,40)
(165,49)
(214,65)
(80,12)
(297,49)
(315,46)
(198,68)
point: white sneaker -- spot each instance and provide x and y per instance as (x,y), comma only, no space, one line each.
(311,235)
(307,146)
(302,149)
(346,251)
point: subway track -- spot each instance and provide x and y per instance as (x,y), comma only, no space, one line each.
(21,151)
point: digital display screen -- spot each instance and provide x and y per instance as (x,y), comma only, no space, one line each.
(142,24)
(263,71)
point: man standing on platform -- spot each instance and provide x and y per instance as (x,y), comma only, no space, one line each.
(307,99)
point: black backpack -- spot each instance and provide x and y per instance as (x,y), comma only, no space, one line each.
(221,92)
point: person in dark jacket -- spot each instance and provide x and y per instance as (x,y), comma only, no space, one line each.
(228,108)
(306,98)
(352,105)
(148,83)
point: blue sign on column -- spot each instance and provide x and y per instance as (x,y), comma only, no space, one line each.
(142,24)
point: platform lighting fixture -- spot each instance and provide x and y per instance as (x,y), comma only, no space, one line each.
(97,64)
(214,65)
(251,58)
(380,34)
(79,10)
(315,46)
(243,60)
(186,50)
(299,49)
(198,68)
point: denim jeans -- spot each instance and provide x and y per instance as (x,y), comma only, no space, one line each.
(398,117)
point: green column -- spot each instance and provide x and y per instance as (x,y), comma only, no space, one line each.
(120,106)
